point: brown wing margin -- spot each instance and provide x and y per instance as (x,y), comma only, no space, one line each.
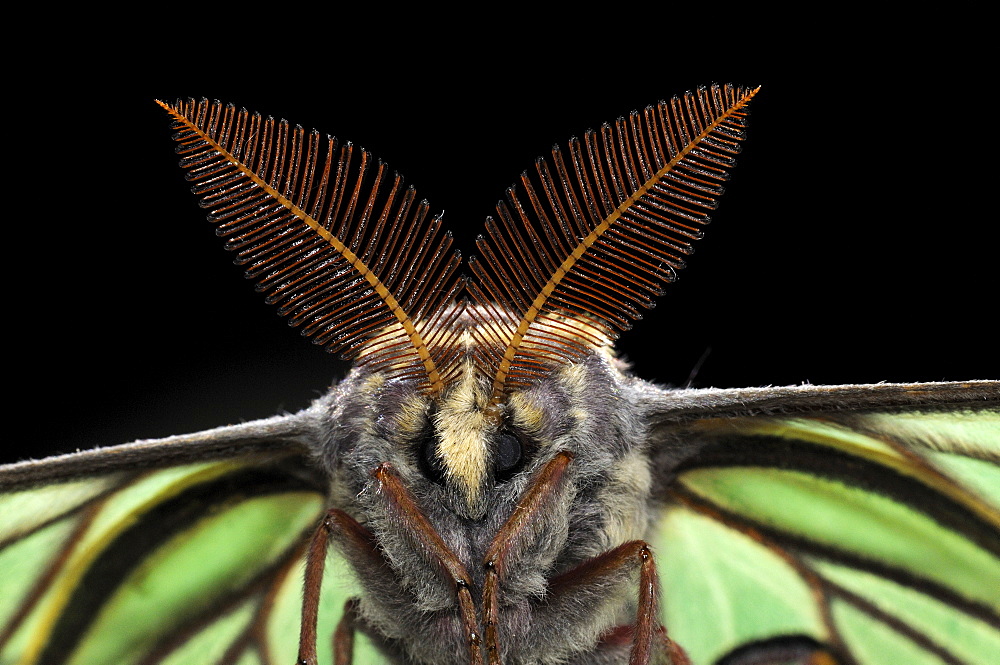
(331,236)
(595,235)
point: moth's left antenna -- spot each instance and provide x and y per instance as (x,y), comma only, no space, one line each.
(331,236)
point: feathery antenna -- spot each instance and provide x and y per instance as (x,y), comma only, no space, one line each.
(331,236)
(349,255)
(575,252)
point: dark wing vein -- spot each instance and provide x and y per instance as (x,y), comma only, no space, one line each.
(914,530)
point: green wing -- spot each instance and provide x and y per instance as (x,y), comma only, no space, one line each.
(872,537)
(199,562)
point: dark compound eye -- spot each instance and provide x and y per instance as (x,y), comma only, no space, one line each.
(509,454)
(429,462)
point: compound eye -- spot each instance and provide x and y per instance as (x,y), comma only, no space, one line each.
(430,464)
(509,453)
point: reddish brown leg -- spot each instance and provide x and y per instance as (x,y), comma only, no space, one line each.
(648,636)
(420,529)
(355,537)
(676,653)
(315,562)
(343,637)
(648,629)
(647,623)
(512,538)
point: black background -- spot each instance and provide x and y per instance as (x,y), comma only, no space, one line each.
(850,246)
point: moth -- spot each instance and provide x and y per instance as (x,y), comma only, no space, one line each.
(489,484)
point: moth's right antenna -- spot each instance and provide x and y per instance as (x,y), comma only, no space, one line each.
(332,237)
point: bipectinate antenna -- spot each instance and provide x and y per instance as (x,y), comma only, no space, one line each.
(332,237)
(578,248)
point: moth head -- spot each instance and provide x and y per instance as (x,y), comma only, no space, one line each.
(465,445)
(461,382)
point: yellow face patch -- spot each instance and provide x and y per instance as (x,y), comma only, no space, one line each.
(463,429)
(466,419)
(412,417)
(466,425)
(527,414)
